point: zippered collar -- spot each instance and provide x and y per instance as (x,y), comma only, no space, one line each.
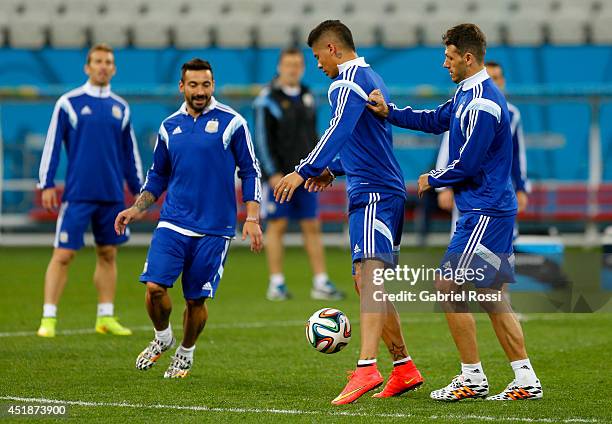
(97,90)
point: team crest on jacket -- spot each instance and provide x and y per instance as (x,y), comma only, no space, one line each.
(308,100)
(117,112)
(212,126)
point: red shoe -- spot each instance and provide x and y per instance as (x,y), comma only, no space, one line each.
(361,381)
(403,378)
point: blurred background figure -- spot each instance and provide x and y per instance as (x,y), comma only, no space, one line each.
(285,132)
(94,125)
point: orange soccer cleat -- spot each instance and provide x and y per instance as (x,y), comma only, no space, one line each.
(361,381)
(404,377)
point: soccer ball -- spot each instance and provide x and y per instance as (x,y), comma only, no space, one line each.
(328,330)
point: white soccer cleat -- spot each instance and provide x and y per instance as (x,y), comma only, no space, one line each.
(515,391)
(179,367)
(278,293)
(327,292)
(462,388)
(151,353)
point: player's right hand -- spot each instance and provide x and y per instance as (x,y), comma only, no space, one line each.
(446,200)
(376,103)
(49,199)
(125,217)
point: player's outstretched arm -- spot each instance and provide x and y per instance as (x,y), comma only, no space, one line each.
(135,212)
(434,121)
(251,227)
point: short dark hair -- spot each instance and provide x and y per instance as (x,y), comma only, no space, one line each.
(494,64)
(467,38)
(332,26)
(196,64)
(290,51)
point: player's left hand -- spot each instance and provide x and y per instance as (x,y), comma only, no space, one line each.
(253,230)
(522,200)
(423,185)
(320,182)
(283,191)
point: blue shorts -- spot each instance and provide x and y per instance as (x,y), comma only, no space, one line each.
(200,259)
(376,221)
(74,218)
(303,205)
(481,251)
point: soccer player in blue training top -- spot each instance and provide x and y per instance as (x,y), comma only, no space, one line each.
(376,192)
(94,125)
(518,172)
(480,251)
(197,151)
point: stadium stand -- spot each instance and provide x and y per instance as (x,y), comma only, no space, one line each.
(243,23)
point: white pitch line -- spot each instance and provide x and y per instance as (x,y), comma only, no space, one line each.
(77,331)
(263,324)
(204,408)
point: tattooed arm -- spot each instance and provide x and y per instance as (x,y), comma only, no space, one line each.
(145,200)
(135,212)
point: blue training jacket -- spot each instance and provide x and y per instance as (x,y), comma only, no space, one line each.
(94,124)
(480,145)
(195,160)
(362,141)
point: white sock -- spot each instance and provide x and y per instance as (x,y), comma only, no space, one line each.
(473,371)
(366,362)
(319,280)
(523,372)
(106,309)
(164,336)
(402,361)
(49,310)
(277,280)
(187,352)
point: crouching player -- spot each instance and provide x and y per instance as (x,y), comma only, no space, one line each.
(197,151)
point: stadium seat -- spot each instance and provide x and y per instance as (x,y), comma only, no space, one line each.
(69,31)
(399,32)
(28,32)
(111,31)
(364,30)
(567,30)
(524,29)
(234,32)
(601,30)
(277,31)
(151,32)
(191,33)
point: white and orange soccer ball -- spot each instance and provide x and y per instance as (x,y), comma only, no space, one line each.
(328,330)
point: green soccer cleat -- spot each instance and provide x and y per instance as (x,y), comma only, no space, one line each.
(47,327)
(110,325)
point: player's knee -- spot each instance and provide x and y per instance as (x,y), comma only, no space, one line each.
(276,226)
(155,291)
(195,303)
(106,254)
(63,256)
(446,291)
(310,226)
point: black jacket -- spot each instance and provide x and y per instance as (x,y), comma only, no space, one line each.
(285,128)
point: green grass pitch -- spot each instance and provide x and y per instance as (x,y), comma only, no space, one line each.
(253,363)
